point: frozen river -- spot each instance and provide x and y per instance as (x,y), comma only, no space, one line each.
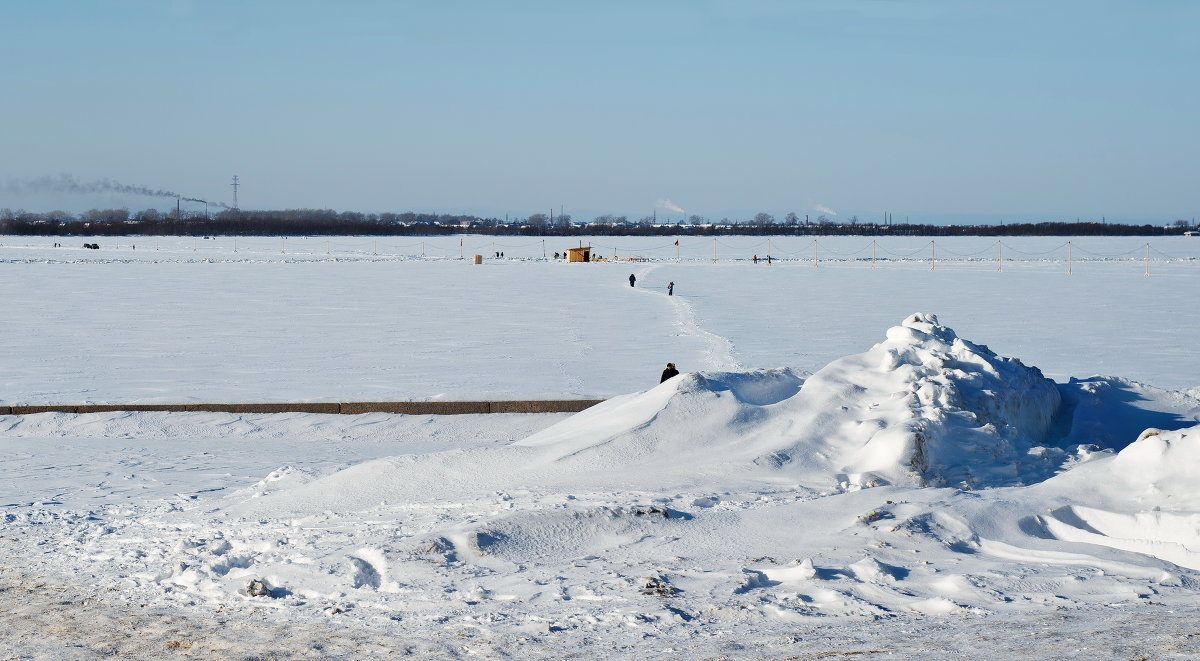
(183,319)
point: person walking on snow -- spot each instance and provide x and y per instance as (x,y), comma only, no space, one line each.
(669,372)
(632,279)
(671,288)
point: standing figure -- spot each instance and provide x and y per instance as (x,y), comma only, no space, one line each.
(669,372)
(632,279)
(671,288)
(756,259)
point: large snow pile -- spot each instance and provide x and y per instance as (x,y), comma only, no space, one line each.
(922,407)
(929,406)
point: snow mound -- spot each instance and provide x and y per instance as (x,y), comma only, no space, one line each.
(923,407)
(693,418)
(936,408)
(1142,500)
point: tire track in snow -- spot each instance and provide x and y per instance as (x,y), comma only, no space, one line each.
(718,350)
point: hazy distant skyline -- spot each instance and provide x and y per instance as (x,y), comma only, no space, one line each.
(934,110)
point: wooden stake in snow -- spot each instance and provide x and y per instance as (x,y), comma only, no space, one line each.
(872,253)
(816,260)
(1068,258)
(1146,262)
(999,256)
(933,258)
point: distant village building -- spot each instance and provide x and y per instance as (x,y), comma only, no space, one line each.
(581,254)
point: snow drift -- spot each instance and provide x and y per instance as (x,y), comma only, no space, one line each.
(923,407)
(1143,499)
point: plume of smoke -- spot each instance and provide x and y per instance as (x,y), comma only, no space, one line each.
(668,205)
(65,183)
(821,208)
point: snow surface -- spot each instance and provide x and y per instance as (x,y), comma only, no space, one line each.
(921,496)
(282,320)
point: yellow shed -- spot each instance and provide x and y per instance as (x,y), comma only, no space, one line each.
(581,254)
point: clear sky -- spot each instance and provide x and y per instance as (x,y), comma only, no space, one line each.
(932,109)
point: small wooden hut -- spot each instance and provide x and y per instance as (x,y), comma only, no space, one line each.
(581,254)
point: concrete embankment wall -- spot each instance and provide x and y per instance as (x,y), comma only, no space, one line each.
(407,408)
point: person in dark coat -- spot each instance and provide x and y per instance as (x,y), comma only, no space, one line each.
(632,279)
(671,288)
(669,372)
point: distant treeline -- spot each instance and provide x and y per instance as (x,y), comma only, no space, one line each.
(326,222)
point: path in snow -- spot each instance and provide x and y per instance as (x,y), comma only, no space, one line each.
(718,351)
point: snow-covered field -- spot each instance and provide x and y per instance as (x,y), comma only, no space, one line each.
(838,472)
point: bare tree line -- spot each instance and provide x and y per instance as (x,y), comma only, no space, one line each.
(235,222)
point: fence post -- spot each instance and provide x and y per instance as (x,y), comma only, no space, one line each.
(1146,262)
(816,260)
(872,253)
(933,257)
(999,256)
(1069,269)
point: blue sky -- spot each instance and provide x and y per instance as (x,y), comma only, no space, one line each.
(934,110)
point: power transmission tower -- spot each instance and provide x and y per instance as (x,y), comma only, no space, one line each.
(235,187)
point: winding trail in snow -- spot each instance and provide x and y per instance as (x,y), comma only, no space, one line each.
(717,349)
